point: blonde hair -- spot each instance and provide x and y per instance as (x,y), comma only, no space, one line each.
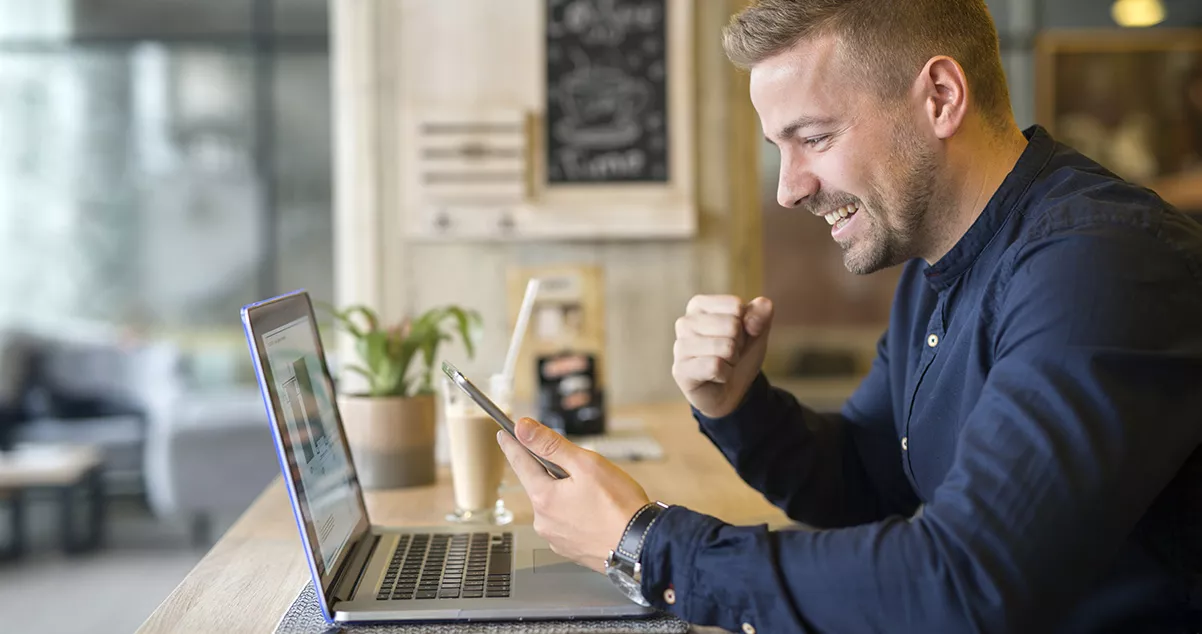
(887,42)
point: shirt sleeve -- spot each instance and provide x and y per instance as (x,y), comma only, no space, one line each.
(825,470)
(1089,410)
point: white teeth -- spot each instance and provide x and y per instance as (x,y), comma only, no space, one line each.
(840,213)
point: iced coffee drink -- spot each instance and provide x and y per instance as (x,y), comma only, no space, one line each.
(477,462)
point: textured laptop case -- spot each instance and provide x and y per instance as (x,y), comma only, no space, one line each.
(304,617)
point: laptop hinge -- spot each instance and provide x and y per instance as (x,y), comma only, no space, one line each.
(351,572)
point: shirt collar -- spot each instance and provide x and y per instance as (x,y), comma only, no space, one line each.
(1004,201)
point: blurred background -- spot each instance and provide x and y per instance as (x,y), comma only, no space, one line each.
(163,162)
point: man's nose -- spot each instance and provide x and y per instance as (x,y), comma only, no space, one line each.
(795,185)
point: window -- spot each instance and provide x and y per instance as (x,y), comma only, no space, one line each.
(164,161)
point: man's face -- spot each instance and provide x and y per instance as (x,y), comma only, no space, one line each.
(845,155)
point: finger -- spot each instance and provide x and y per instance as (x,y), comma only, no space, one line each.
(757,319)
(724,348)
(715,305)
(532,474)
(704,370)
(545,442)
(706,325)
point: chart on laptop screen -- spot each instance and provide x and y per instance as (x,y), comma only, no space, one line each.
(318,457)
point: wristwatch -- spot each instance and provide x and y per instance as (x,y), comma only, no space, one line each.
(623,566)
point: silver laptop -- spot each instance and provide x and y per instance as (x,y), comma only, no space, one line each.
(364,572)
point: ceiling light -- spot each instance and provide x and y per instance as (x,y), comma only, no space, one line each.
(1137,13)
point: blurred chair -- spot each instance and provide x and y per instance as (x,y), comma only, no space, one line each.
(209,457)
(196,454)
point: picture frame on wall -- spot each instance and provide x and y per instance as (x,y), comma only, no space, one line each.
(1131,100)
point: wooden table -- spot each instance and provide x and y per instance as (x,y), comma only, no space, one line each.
(66,472)
(252,575)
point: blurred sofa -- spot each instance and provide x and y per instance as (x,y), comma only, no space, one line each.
(191,452)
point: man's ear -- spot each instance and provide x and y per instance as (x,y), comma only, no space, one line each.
(943,88)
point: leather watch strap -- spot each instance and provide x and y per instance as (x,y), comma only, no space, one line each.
(630,548)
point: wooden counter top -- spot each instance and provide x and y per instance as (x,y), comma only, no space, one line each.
(253,573)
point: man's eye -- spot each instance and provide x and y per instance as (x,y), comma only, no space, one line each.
(816,140)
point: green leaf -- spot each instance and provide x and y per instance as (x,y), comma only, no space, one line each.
(369,315)
(346,324)
(387,356)
(471,328)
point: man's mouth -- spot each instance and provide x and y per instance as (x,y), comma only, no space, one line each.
(841,215)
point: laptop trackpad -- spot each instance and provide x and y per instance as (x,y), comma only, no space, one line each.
(545,560)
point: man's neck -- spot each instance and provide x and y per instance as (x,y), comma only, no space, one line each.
(977,166)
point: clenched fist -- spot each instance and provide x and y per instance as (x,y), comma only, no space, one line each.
(720,345)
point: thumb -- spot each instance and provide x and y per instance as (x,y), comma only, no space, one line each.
(757,318)
(543,440)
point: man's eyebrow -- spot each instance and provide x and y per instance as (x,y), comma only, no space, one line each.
(804,121)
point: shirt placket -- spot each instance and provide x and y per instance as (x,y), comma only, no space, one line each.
(932,339)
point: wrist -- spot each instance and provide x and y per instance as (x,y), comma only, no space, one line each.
(748,400)
(630,545)
(624,564)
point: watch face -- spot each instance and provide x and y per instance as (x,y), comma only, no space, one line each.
(627,585)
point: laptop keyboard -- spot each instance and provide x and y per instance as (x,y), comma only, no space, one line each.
(449,566)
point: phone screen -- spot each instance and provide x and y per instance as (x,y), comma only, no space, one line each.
(496,414)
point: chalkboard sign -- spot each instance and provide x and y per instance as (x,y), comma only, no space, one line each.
(607,116)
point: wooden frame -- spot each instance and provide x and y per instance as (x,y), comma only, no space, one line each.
(1118,96)
(514,82)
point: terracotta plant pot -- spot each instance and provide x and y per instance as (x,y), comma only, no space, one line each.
(391,439)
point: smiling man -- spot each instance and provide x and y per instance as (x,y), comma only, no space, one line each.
(1024,453)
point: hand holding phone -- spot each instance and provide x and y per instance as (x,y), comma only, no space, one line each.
(496,414)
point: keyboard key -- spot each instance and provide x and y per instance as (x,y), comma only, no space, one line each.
(427,594)
(499,565)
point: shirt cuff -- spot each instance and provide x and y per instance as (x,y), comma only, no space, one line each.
(727,431)
(667,560)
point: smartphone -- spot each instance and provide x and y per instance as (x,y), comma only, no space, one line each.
(495,412)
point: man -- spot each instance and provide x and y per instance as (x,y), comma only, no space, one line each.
(1023,455)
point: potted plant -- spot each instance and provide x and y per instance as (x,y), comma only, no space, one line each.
(390,426)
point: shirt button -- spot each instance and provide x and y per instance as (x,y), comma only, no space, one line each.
(933,340)
(748,629)
(904,443)
(670,596)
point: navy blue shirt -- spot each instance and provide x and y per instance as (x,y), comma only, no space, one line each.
(1023,455)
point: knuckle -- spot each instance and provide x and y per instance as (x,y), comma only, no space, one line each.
(732,304)
(726,349)
(551,443)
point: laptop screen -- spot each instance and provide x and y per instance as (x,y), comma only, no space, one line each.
(312,443)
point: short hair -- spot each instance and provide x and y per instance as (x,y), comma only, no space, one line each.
(886,41)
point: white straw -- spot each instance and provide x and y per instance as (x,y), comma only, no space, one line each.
(519,329)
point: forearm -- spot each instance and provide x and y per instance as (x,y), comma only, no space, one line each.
(885,576)
(803,462)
